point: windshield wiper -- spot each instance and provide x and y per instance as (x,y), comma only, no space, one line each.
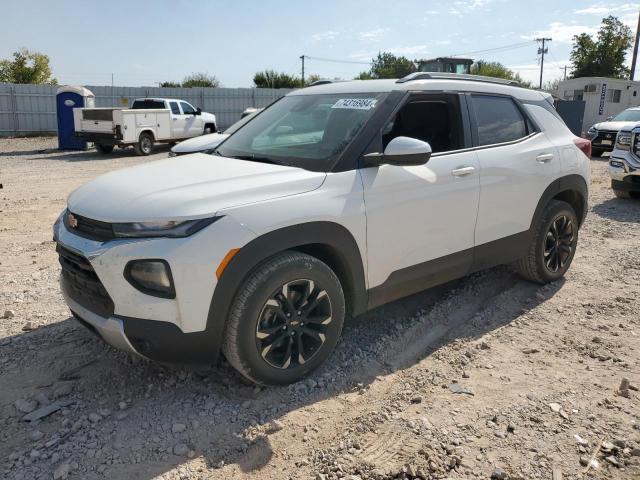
(254,158)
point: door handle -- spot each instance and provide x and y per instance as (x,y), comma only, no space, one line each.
(544,157)
(462,171)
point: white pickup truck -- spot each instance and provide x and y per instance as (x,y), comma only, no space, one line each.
(148,121)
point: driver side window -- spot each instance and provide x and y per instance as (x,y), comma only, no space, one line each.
(432,118)
(187,109)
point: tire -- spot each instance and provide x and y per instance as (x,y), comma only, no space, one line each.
(541,265)
(145,144)
(259,334)
(596,153)
(209,129)
(622,194)
(104,148)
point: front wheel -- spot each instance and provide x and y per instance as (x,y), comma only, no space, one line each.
(145,144)
(286,319)
(553,245)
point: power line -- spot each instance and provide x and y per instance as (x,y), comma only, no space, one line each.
(334,60)
(503,48)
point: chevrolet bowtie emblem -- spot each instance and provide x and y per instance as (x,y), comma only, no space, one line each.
(72,220)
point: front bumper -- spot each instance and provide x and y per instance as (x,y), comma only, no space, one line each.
(604,141)
(172,330)
(624,170)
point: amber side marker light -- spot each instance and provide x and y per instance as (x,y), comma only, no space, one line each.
(225,261)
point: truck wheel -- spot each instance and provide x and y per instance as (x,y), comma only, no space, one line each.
(209,128)
(622,194)
(104,148)
(145,144)
(553,245)
(286,319)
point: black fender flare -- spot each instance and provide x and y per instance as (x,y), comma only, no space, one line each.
(330,235)
(568,183)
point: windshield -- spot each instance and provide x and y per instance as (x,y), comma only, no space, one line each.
(239,123)
(306,131)
(628,116)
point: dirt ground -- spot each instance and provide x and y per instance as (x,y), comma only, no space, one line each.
(486,377)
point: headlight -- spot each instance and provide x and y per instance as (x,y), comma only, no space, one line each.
(152,277)
(623,140)
(592,132)
(170,228)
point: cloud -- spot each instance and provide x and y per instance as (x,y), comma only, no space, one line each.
(374,34)
(561,32)
(599,9)
(324,36)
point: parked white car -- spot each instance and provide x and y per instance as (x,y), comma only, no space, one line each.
(207,143)
(603,134)
(334,200)
(148,121)
(624,163)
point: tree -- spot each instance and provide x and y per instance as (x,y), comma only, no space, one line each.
(170,84)
(200,80)
(551,86)
(603,56)
(497,70)
(273,79)
(27,67)
(314,77)
(387,65)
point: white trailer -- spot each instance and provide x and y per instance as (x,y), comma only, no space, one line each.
(603,97)
(148,121)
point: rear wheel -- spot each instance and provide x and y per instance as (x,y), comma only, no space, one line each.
(104,148)
(553,245)
(145,144)
(209,128)
(622,194)
(286,319)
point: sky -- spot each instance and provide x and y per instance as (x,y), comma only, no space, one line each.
(142,43)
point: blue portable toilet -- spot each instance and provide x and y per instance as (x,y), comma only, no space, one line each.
(69,97)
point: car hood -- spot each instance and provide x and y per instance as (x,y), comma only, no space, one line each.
(200,144)
(613,126)
(187,187)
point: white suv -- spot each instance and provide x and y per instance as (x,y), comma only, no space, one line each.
(336,199)
(624,163)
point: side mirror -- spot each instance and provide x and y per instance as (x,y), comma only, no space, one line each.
(401,151)
(198,111)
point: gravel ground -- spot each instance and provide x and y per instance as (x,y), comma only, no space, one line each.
(486,377)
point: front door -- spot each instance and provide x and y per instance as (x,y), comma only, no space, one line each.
(193,122)
(421,219)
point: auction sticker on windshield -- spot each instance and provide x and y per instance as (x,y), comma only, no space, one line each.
(356,103)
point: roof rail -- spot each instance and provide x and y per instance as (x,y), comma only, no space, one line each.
(455,76)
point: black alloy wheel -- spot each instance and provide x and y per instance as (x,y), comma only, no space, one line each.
(558,244)
(293,324)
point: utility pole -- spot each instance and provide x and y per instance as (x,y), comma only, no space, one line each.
(635,50)
(542,51)
(302,58)
(565,72)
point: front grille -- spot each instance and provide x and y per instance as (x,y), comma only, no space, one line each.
(609,135)
(91,229)
(82,284)
(635,144)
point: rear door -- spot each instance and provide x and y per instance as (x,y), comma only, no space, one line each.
(517,164)
(177,120)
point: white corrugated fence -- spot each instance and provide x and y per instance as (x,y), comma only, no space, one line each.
(31,109)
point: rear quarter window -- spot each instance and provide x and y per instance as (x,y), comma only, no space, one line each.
(499,120)
(148,104)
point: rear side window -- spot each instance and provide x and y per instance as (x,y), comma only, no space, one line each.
(175,109)
(499,120)
(148,103)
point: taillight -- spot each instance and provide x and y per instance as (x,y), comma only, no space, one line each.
(584,145)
